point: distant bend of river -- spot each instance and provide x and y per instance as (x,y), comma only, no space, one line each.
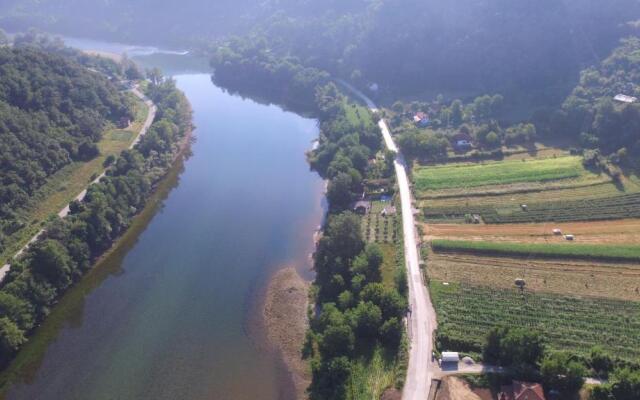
(165,317)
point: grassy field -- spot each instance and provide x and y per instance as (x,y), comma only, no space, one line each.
(497,173)
(560,250)
(358,115)
(467,312)
(67,183)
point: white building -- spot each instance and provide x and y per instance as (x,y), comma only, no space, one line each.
(450,357)
(623,98)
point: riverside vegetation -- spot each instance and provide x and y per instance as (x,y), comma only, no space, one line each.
(357,333)
(70,246)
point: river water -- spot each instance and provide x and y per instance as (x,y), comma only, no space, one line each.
(169,314)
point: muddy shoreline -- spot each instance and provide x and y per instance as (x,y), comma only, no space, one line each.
(285,321)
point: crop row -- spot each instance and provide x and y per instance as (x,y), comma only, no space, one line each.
(616,207)
(466,314)
(555,250)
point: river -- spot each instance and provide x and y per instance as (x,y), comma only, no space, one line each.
(170,313)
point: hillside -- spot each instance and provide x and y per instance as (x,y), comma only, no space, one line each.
(53,112)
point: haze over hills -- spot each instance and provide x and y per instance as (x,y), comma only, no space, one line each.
(404,45)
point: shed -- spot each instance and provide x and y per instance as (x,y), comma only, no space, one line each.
(524,207)
(450,357)
(569,237)
(557,231)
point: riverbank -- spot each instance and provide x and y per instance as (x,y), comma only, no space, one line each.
(70,307)
(285,320)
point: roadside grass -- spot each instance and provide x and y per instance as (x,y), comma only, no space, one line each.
(372,373)
(562,277)
(467,312)
(497,173)
(67,183)
(389,266)
(556,250)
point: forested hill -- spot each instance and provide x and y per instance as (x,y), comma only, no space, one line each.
(407,46)
(52,112)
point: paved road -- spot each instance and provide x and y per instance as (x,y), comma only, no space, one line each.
(65,211)
(422,318)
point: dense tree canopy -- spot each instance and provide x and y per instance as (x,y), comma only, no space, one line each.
(52,112)
(69,246)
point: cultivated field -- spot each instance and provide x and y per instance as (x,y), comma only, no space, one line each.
(467,312)
(622,231)
(465,175)
(578,293)
(378,228)
(565,277)
(611,252)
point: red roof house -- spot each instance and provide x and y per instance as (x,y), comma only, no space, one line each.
(522,391)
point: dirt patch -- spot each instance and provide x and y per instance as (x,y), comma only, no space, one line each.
(391,394)
(453,388)
(285,318)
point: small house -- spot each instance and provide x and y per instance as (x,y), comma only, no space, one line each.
(362,207)
(462,142)
(421,119)
(462,145)
(524,207)
(450,357)
(521,391)
(623,98)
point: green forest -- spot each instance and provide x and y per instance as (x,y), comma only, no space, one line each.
(53,111)
(69,246)
(408,46)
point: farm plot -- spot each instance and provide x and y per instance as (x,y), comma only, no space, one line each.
(510,196)
(379,227)
(498,173)
(609,252)
(563,277)
(466,313)
(622,231)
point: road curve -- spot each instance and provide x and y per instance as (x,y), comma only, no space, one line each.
(65,211)
(422,316)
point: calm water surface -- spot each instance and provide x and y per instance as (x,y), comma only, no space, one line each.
(168,320)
